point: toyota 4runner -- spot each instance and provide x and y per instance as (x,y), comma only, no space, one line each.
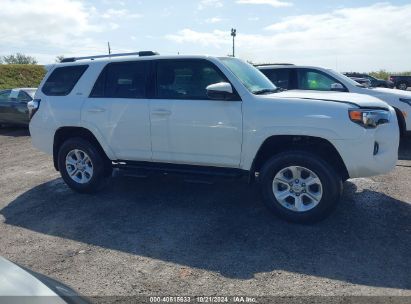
(203,115)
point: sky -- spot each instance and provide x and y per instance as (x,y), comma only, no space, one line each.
(345,35)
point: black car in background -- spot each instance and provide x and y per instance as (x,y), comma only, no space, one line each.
(401,82)
(13,106)
(375,82)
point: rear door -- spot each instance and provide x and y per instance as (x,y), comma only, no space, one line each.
(186,126)
(118,109)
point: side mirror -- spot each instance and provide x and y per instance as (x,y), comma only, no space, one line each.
(337,87)
(220,91)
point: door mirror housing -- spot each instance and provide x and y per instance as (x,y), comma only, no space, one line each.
(220,91)
(337,87)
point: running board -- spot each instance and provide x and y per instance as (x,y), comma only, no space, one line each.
(191,173)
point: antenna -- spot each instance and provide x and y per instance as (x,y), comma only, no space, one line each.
(109,49)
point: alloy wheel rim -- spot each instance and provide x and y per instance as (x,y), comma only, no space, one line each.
(297,189)
(79,166)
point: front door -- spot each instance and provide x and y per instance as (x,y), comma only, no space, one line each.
(186,126)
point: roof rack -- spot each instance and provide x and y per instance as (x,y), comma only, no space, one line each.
(141,54)
(268,64)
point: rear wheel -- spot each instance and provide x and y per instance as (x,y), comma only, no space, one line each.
(402,86)
(82,166)
(300,187)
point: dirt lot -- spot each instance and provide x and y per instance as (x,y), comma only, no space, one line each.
(167,237)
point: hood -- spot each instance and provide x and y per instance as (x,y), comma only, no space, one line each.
(399,93)
(361,100)
(15,281)
(31,287)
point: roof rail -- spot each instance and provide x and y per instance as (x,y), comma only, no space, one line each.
(268,64)
(141,54)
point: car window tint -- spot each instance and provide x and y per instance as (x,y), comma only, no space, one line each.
(4,95)
(186,79)
(313,80)
(122,80)
(23,96)
(62,80)
(280,77)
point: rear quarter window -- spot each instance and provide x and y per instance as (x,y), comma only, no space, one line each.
(62,80)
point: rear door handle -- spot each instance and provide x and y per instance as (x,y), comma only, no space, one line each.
(161,112)
(96,110)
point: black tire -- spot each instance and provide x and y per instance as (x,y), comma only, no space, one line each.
(331,185)
(99,164)
(402,86)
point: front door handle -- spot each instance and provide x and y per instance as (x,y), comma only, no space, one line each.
(96,110)
(161,112)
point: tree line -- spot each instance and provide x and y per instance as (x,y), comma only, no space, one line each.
(20,58)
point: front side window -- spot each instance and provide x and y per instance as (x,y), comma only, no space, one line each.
(62,80)
(23,97)
(186,79)
(314,80)
(280,77)
(122,80)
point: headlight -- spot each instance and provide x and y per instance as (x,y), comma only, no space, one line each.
(369,119)
(406,100)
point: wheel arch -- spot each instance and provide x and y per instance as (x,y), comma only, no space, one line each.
(65,133)
(280,143)
(401,121)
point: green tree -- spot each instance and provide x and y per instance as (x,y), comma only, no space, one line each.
(19,58)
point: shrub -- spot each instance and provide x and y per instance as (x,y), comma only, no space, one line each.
(21,75)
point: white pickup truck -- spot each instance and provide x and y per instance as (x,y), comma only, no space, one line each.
(209,116)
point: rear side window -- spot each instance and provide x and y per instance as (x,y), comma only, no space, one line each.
(62,80)
(122,80)
(280,77)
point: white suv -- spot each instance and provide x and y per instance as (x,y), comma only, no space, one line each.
(209,116)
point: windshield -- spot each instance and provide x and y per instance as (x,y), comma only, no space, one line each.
(251,78)
(346,78)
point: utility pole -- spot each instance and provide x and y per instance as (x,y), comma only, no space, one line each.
(233,34)
(109,49)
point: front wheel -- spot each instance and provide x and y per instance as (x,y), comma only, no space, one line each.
(82,166)
(300,187)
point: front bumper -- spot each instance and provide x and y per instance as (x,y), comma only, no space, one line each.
(358,154)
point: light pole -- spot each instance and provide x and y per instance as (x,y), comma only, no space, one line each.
(233,34)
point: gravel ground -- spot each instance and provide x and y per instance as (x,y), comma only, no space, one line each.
(162,236)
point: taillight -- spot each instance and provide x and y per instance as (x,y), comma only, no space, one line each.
(33,106)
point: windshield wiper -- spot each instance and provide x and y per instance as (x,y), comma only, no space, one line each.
(266,91)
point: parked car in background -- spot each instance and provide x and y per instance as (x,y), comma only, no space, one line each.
(208,116)
(308,78)
(401,82)
(364,81)
(23,286)
(13,106)
(375,82)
